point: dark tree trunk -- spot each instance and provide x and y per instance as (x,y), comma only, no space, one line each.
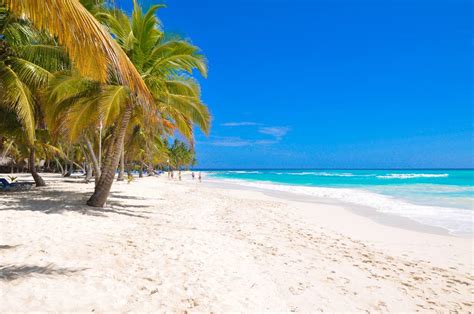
(31,163)
(70,169)
(102,189)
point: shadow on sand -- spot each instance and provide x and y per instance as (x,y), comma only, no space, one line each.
(13,272)
(6,247)
(58,202)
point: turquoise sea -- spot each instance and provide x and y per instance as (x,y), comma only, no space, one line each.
(441,198)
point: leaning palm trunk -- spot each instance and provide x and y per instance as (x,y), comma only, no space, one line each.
(31,163)
(58,165)
(95,161)
(121,174)
(102,189)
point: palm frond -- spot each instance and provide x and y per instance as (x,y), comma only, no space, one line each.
(87,42)
(51,58)
(111,102)
(175,56)
(16,95)
(29,73)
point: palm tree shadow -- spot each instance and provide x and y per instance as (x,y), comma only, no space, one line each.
(7,247)
(119,195)
(59,202)
(13,272)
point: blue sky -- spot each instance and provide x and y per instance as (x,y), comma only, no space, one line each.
(333,83)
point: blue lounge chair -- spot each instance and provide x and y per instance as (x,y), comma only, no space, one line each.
(14,186)
(5,185)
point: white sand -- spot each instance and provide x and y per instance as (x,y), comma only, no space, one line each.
(185,246)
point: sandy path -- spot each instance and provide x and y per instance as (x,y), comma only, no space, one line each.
(179,246)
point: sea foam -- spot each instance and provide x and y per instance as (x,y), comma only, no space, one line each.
(322,174)
(413,175)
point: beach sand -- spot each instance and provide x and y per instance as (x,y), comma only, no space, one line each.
(189,246)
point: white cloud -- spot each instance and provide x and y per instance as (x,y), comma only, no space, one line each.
(229,142)
(266,142)
(276,131)
(243,123)
(239,142)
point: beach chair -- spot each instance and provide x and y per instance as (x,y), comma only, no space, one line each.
(14,186)
(4,184)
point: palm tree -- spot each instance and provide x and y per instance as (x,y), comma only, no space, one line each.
(145,148)
(77,104)
(20,148)
(92,50)
(75,108)
(27,58)
(181,156)
(166,67)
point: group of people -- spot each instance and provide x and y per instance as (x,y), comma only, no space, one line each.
(171,175)
(199,177)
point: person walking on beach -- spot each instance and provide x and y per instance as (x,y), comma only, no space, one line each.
(192,175)
(200,178)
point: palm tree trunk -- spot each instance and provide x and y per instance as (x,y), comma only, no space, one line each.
(121,174)
(150,170)
(31,163)
(95,161)
(58,163)
(102,189)
(109,153)
(89,171)
(70,168)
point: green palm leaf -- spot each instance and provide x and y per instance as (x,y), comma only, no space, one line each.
(17,96)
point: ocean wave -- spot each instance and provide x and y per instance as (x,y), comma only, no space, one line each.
(322,174)
(413,175)
(455,220)
(244,172)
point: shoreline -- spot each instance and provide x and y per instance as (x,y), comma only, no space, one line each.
(173,245)
(364,223)
(363,202)
(386,219)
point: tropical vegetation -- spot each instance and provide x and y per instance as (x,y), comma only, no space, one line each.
(90,87)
